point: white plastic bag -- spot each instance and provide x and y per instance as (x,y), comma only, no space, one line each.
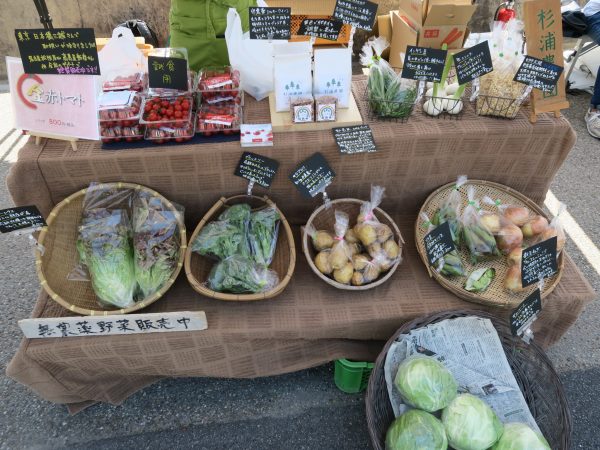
(120,56)
(253,58)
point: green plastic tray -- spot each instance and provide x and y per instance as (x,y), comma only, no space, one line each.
(352,377)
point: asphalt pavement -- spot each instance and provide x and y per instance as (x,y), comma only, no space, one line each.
(303,410)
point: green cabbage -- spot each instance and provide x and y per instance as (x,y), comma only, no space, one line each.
(425,383)
(471,424)
(518,436)
(416,430)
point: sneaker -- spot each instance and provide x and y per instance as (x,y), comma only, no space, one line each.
(592,119)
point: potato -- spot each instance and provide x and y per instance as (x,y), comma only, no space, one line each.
(351,237)
(366,233)
(344,275)
(372,272)
(357,279)
(340,255)
(375,250)
(384,233)
(360,262)
(355,249)
(322,262)
(535,226)
(391,249)
(322,240)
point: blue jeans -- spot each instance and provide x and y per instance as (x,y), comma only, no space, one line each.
(593,31)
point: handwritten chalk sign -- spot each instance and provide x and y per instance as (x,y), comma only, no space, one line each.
(538,262)
(19,218)
(312,176)
(473,63)
(423,63)
(321,28)
(119,324)
(525,314)
(358,13)
(168,73)
(59,51)
(256,168)
(540,74)
(438,243)
(270,23)
(356,139)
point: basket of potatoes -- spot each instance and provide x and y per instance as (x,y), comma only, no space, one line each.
(351,244)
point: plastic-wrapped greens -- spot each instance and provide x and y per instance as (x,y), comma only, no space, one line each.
(241,275)
(263,232)
(449,264)
(477,237)
(449,211)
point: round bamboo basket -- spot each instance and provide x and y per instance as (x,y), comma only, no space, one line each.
(59,258)
(533,370)
(198,267)
(495,294)
(323,218)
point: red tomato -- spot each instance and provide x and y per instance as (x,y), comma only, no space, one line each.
(177,106)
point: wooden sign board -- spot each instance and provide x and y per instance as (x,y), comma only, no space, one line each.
(543,31)
(65,327)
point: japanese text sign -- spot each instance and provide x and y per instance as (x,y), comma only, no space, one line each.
(19,218)
(62,105)
(540,74)
(523,316)
(538,262)
(356,139)
(438,243)
(473,63)
(313,175)
(58,51)
(167,73)
(256,168)
(358,13)
(422,63)
(270,23)
(111,325)
(321,28)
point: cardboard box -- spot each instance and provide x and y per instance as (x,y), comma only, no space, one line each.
(446,23)
(403,34)
(383,28)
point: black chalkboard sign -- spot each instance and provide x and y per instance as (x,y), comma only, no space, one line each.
(540,74)
(423,63)
(312,175)
(524,315)
(321,28)
(259,169)
(356,139)
(539,261)
(13,219)
(270,23)
(168,73)
(473,63)
(358,13)
(438,243)
(60,51)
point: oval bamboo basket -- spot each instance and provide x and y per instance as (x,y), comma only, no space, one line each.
(323,218)
(533,370)
(198,267)
(495,294)
(60,256)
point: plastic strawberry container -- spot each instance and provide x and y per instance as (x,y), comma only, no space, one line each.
(173,112)
(126,114)
(219,118)
(110,135)
(164,134)
(219,85)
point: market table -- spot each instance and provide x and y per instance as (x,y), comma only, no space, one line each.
(310,323)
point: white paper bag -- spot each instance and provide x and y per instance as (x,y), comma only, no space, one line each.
(333,74)
(120,56)
(292,73)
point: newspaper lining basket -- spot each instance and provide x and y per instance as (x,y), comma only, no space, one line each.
(198,267)
(539,383)
(59,258)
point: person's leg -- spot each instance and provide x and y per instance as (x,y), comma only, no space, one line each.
(592,118)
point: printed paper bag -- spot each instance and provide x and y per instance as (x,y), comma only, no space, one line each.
(333,74)
(292,75)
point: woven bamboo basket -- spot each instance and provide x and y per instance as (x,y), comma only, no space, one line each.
(495,294)
(60,256)
(198,267)
(539,383)
(323,218)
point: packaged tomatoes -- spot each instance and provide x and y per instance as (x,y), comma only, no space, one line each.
(110,135)
(219,85)
(135,82)
(164,134)
(174,112)
(119,109)
(222,118)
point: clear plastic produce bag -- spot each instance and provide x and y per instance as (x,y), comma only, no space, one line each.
(241,275)
(449,211)
(264,230)
(477,237)
(450,264)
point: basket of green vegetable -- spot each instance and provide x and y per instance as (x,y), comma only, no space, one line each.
(242,250)
(111,248)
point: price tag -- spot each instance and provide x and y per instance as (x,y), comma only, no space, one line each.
(358,13)
(167,73)
(312,176)
(19,218)
(257,169)
(538,262)
(356,139)
(540,74)
(438,243)
(423,63)
(60,51)
(270,23)
(523,316)
(321,28)
(473,63)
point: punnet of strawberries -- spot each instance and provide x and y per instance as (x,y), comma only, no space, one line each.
(167,111)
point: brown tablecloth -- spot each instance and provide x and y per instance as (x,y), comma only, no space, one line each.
(310,323)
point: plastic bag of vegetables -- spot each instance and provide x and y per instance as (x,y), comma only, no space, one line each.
(504,224)
(340,256)
(449,264)
(241,275)
(449,211)
(416,430)
(263,232)
(321,239)
(227,236)
(478,239)
(518,436)
(555,229)
(156,243)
